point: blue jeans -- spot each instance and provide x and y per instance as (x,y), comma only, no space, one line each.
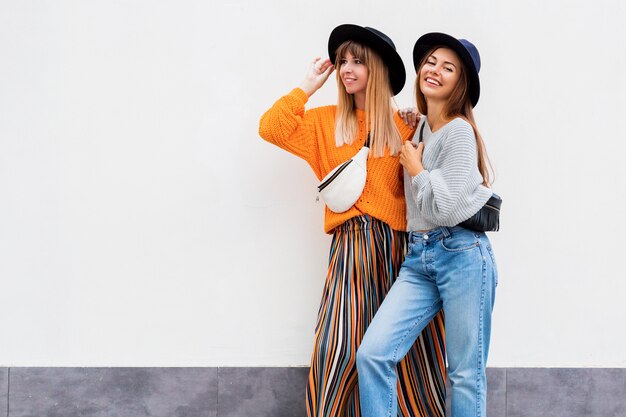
(451,268)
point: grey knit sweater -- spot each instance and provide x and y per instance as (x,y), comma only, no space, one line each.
(450,189)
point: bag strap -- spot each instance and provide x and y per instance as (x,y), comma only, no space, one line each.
(421,133)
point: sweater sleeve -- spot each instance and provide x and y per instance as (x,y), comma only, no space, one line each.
(440,192)
(287,125)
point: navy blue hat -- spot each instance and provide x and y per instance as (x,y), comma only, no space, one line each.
(376,40)
(465,50)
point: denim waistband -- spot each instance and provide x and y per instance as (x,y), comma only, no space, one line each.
(434,234)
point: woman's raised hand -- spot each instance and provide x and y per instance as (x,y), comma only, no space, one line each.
(410,116)
(317,75)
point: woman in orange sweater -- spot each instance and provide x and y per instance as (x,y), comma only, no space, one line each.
(369,239)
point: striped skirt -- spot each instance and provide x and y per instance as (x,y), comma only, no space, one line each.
(365,258)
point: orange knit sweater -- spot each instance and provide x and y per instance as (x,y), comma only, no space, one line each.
(311,136)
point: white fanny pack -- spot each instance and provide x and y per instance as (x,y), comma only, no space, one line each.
(343,186)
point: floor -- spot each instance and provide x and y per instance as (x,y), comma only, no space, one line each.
(277,392)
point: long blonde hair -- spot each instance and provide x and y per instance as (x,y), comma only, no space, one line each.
(378,105)
(459,104)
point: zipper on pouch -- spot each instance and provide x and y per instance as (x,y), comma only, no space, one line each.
(329,180)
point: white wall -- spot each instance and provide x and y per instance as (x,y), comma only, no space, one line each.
(143,222)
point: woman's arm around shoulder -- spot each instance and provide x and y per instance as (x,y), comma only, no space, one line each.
(406,120)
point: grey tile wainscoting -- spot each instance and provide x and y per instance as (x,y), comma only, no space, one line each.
(4,390)
(112,392)
(278,392)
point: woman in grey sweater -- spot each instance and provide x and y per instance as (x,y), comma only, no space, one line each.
(447,267)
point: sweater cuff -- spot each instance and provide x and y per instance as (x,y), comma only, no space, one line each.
(420,180)
(299,93)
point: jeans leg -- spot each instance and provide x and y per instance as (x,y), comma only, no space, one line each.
(408,307)
(467,285)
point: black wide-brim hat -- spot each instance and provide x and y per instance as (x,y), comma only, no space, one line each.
(376,40)
(465,50)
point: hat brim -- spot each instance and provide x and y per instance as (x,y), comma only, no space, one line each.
(391,58)
(431,40)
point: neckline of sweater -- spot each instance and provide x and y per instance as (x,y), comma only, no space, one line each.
(443,128)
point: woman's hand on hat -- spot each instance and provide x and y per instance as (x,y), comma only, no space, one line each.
(317,75)
(411,157)
(410,116)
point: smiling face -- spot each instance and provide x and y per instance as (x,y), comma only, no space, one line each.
(354,74)
(439,74)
